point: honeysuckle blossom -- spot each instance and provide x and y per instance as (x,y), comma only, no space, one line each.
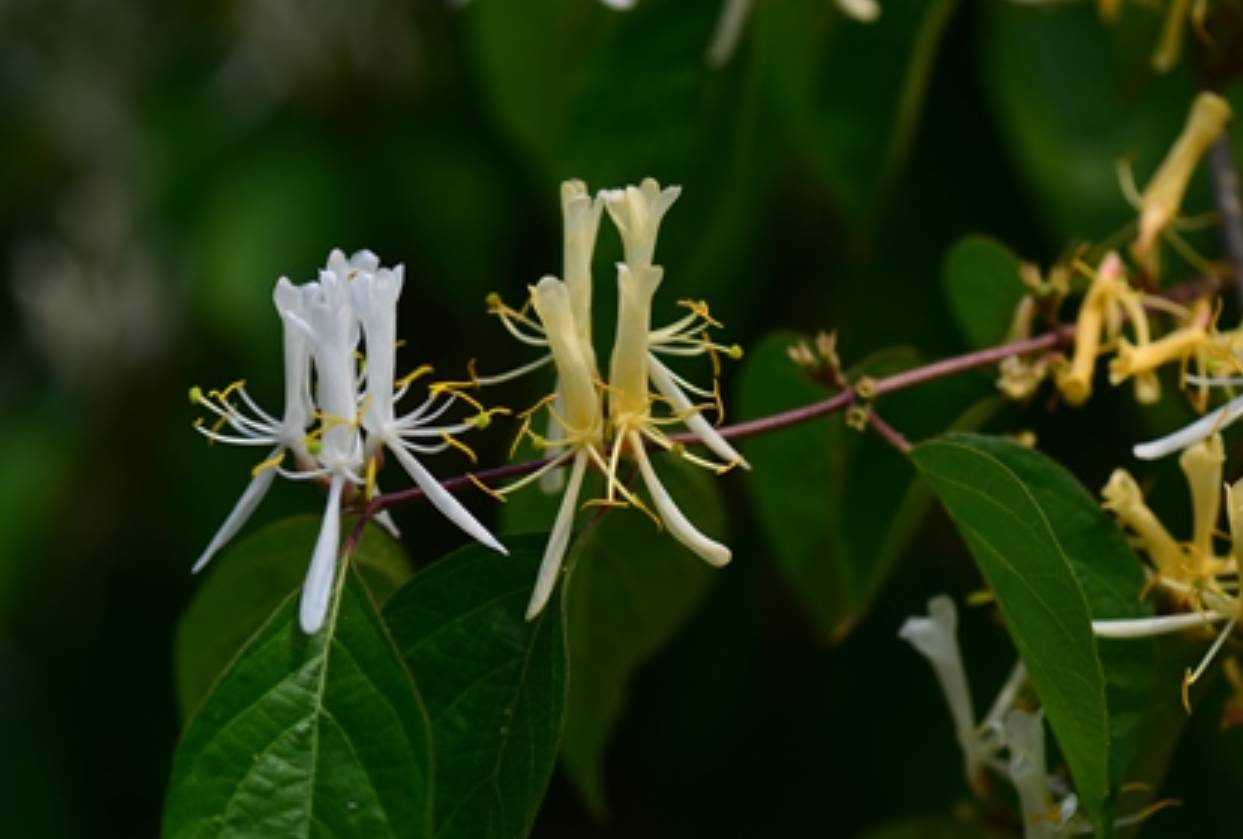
(597,423)
(353,298)
(1191,575)
(1161,199)
(252,426)
(1044,815)
(1009,742)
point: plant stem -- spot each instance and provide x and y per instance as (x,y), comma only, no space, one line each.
(763,425)
(1225,178)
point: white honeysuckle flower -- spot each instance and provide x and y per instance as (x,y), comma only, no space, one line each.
(935,637)
(334,331)
(259,428)
(1044,816)
(324,321)
(375,297)
(581,429)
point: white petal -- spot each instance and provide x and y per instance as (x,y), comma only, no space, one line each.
(936,638)
(1157,625)
(1025,739)
(696,422)
(554,551)
(317,587)
(714,553)
(255,490)
(442,500)
(1189,435)
(385,519)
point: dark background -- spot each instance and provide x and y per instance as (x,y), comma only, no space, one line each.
(161,164)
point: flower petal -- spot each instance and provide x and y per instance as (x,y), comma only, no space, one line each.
(253,495)
(319,575)
(558,540)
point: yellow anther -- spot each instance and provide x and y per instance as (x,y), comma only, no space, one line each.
(196,395)
(865,388)
(270,463)
(417,372)
(372,464)
(493,301)
(1188,681)
(460,446)
(700,308)
(735,351)
(982,597)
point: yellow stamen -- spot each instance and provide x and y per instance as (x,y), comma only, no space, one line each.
(416,373)
(460,446)
(372,463)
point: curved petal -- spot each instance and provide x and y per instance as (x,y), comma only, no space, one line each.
(714,553)
(254,493)
(443,500)
(319,576)
(558,540)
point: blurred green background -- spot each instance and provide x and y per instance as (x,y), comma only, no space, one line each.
(161,164)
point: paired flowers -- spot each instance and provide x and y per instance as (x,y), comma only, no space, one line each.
(594,422)
(339,413)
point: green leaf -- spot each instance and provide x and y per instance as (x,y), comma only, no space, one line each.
(839,507)
(494,684)
(631,587)
(248,580)
(982,286)
(321,735)
(1055,562)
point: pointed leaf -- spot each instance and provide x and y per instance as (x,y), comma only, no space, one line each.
(250,578)
(494,684)
(1055,562)
(321,735)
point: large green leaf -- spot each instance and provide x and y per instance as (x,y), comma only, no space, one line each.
(249,580)
(839,507)
(1055,562)
(321,735)
(631,587)
(982,287)
(494,684)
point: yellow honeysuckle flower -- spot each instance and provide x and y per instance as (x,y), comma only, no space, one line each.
(1100,311)
(1200,581)
(1161,199)
(596,422)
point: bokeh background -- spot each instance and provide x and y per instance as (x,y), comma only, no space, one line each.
(161,164)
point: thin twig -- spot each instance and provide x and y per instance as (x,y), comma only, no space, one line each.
(1052,339)
(1225,178)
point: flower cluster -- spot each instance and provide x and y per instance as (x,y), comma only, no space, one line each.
(340,411)
(1114,312)
(594,422)
(1195,580)
(1009,743)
